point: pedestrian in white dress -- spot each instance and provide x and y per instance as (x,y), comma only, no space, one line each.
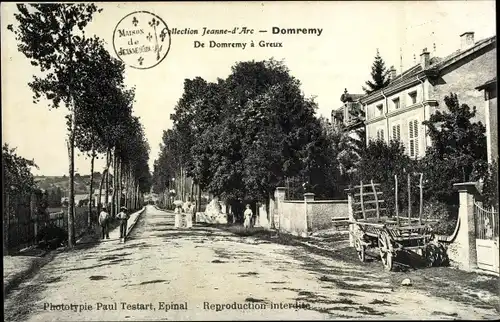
(189,216)
(177,212)
(248,216)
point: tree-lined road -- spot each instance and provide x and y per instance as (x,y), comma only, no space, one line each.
(161,268)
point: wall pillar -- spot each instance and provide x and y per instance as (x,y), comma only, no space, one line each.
(280,197)
(270,212)
(466,236)
(350,213)
(308,197)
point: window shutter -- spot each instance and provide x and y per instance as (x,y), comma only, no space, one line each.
(413,137)
(396,132)
(415,130)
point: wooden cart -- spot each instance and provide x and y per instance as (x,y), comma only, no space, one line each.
(390,234)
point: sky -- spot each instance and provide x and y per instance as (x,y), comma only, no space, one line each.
(340,58)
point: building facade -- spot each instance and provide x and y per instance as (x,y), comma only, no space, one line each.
(350,116)
(490,96)
(397,111)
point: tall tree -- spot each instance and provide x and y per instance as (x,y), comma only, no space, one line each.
(97,98)
(379,74)
(240,137)
(51,37)
(458,150)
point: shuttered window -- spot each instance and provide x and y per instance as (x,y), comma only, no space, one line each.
(380,134)
(413,138)
(396,132)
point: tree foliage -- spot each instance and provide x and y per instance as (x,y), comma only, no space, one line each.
(240,137)
(457,154)
(380,162)
(78,72)
(458,150)
(17,177)
(379,74)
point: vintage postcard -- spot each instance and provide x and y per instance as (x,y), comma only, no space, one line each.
(302,160)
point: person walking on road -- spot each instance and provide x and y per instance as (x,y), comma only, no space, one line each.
(248,217)
(123,217)
(189,215)
(177,212)
(104,223)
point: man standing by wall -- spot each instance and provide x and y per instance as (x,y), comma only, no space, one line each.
(123,217)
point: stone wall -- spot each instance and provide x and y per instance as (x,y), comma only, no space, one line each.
(302,217)
(321,212)
(293,217)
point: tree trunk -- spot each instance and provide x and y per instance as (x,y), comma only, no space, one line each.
(108,163)
(129,191)
(134,194)
(91,194)
(6,223)
(119,192)
(103,176)
(113,184)
(125,179)
(191,197)
(138,204)
(131,182)
(182,183)
(115,187)
(71,204)
(198,203)
(269,215)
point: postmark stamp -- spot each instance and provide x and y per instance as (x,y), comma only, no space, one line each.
(141,40)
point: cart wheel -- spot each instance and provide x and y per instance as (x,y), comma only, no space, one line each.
(360,249)
(386,250)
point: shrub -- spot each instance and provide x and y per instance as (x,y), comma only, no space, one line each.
(380,162)
(445,214)
(51,237)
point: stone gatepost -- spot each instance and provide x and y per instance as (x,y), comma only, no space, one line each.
(308,197)
(465,241)
(280,197)
(350,214)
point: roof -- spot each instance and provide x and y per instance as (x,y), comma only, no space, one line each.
(347,97)
(436,64)
(490,83)
(446,60)
(350,97)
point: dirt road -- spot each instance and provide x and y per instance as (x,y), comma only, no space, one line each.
(205,274)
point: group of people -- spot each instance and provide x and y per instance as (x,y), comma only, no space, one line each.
(105,220)
(184,215)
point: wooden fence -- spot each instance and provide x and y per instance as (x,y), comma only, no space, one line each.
(23,226)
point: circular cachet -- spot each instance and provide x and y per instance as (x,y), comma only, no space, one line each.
(141,40)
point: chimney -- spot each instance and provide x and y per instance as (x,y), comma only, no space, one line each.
(424,58)
(466,40)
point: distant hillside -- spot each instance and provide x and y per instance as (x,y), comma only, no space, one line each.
(82,183)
